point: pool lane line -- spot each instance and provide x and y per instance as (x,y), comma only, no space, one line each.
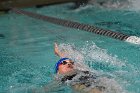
(80,26)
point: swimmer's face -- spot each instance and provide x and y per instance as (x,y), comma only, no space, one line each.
(66,66)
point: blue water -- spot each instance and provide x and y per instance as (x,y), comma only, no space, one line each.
(26,47)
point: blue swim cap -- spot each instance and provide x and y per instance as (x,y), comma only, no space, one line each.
(59,62)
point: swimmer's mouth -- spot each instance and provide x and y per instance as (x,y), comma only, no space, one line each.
(70,66)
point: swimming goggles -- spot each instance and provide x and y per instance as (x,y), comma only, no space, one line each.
(62,61)
(65,62)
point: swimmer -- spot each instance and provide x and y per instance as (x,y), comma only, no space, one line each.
(82,81)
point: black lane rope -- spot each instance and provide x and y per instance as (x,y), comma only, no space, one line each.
(71,24)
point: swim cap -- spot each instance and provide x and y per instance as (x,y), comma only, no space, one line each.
(59,62)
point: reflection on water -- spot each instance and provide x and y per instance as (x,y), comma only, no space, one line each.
(2,36)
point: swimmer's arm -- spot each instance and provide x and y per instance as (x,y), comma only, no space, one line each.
(57,51)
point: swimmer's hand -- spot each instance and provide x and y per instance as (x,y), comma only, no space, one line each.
(57,51)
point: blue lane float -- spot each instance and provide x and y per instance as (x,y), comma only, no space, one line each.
(80,26)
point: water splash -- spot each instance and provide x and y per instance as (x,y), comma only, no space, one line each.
(135,4)
(91,53)
(111,86)
(95,54)
(132,5)
(117,4)
(71,51)
(133,39)
(112,4)
(92,56)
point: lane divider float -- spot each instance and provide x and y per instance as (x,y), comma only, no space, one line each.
(80,26)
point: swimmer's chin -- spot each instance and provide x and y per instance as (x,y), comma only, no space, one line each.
(70,72)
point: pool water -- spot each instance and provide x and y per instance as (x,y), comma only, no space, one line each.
(26,47)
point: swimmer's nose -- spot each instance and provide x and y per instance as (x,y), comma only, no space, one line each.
(69,64)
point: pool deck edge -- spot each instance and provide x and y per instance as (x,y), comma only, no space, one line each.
(5,5)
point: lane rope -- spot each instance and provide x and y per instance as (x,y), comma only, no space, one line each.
(80,26)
